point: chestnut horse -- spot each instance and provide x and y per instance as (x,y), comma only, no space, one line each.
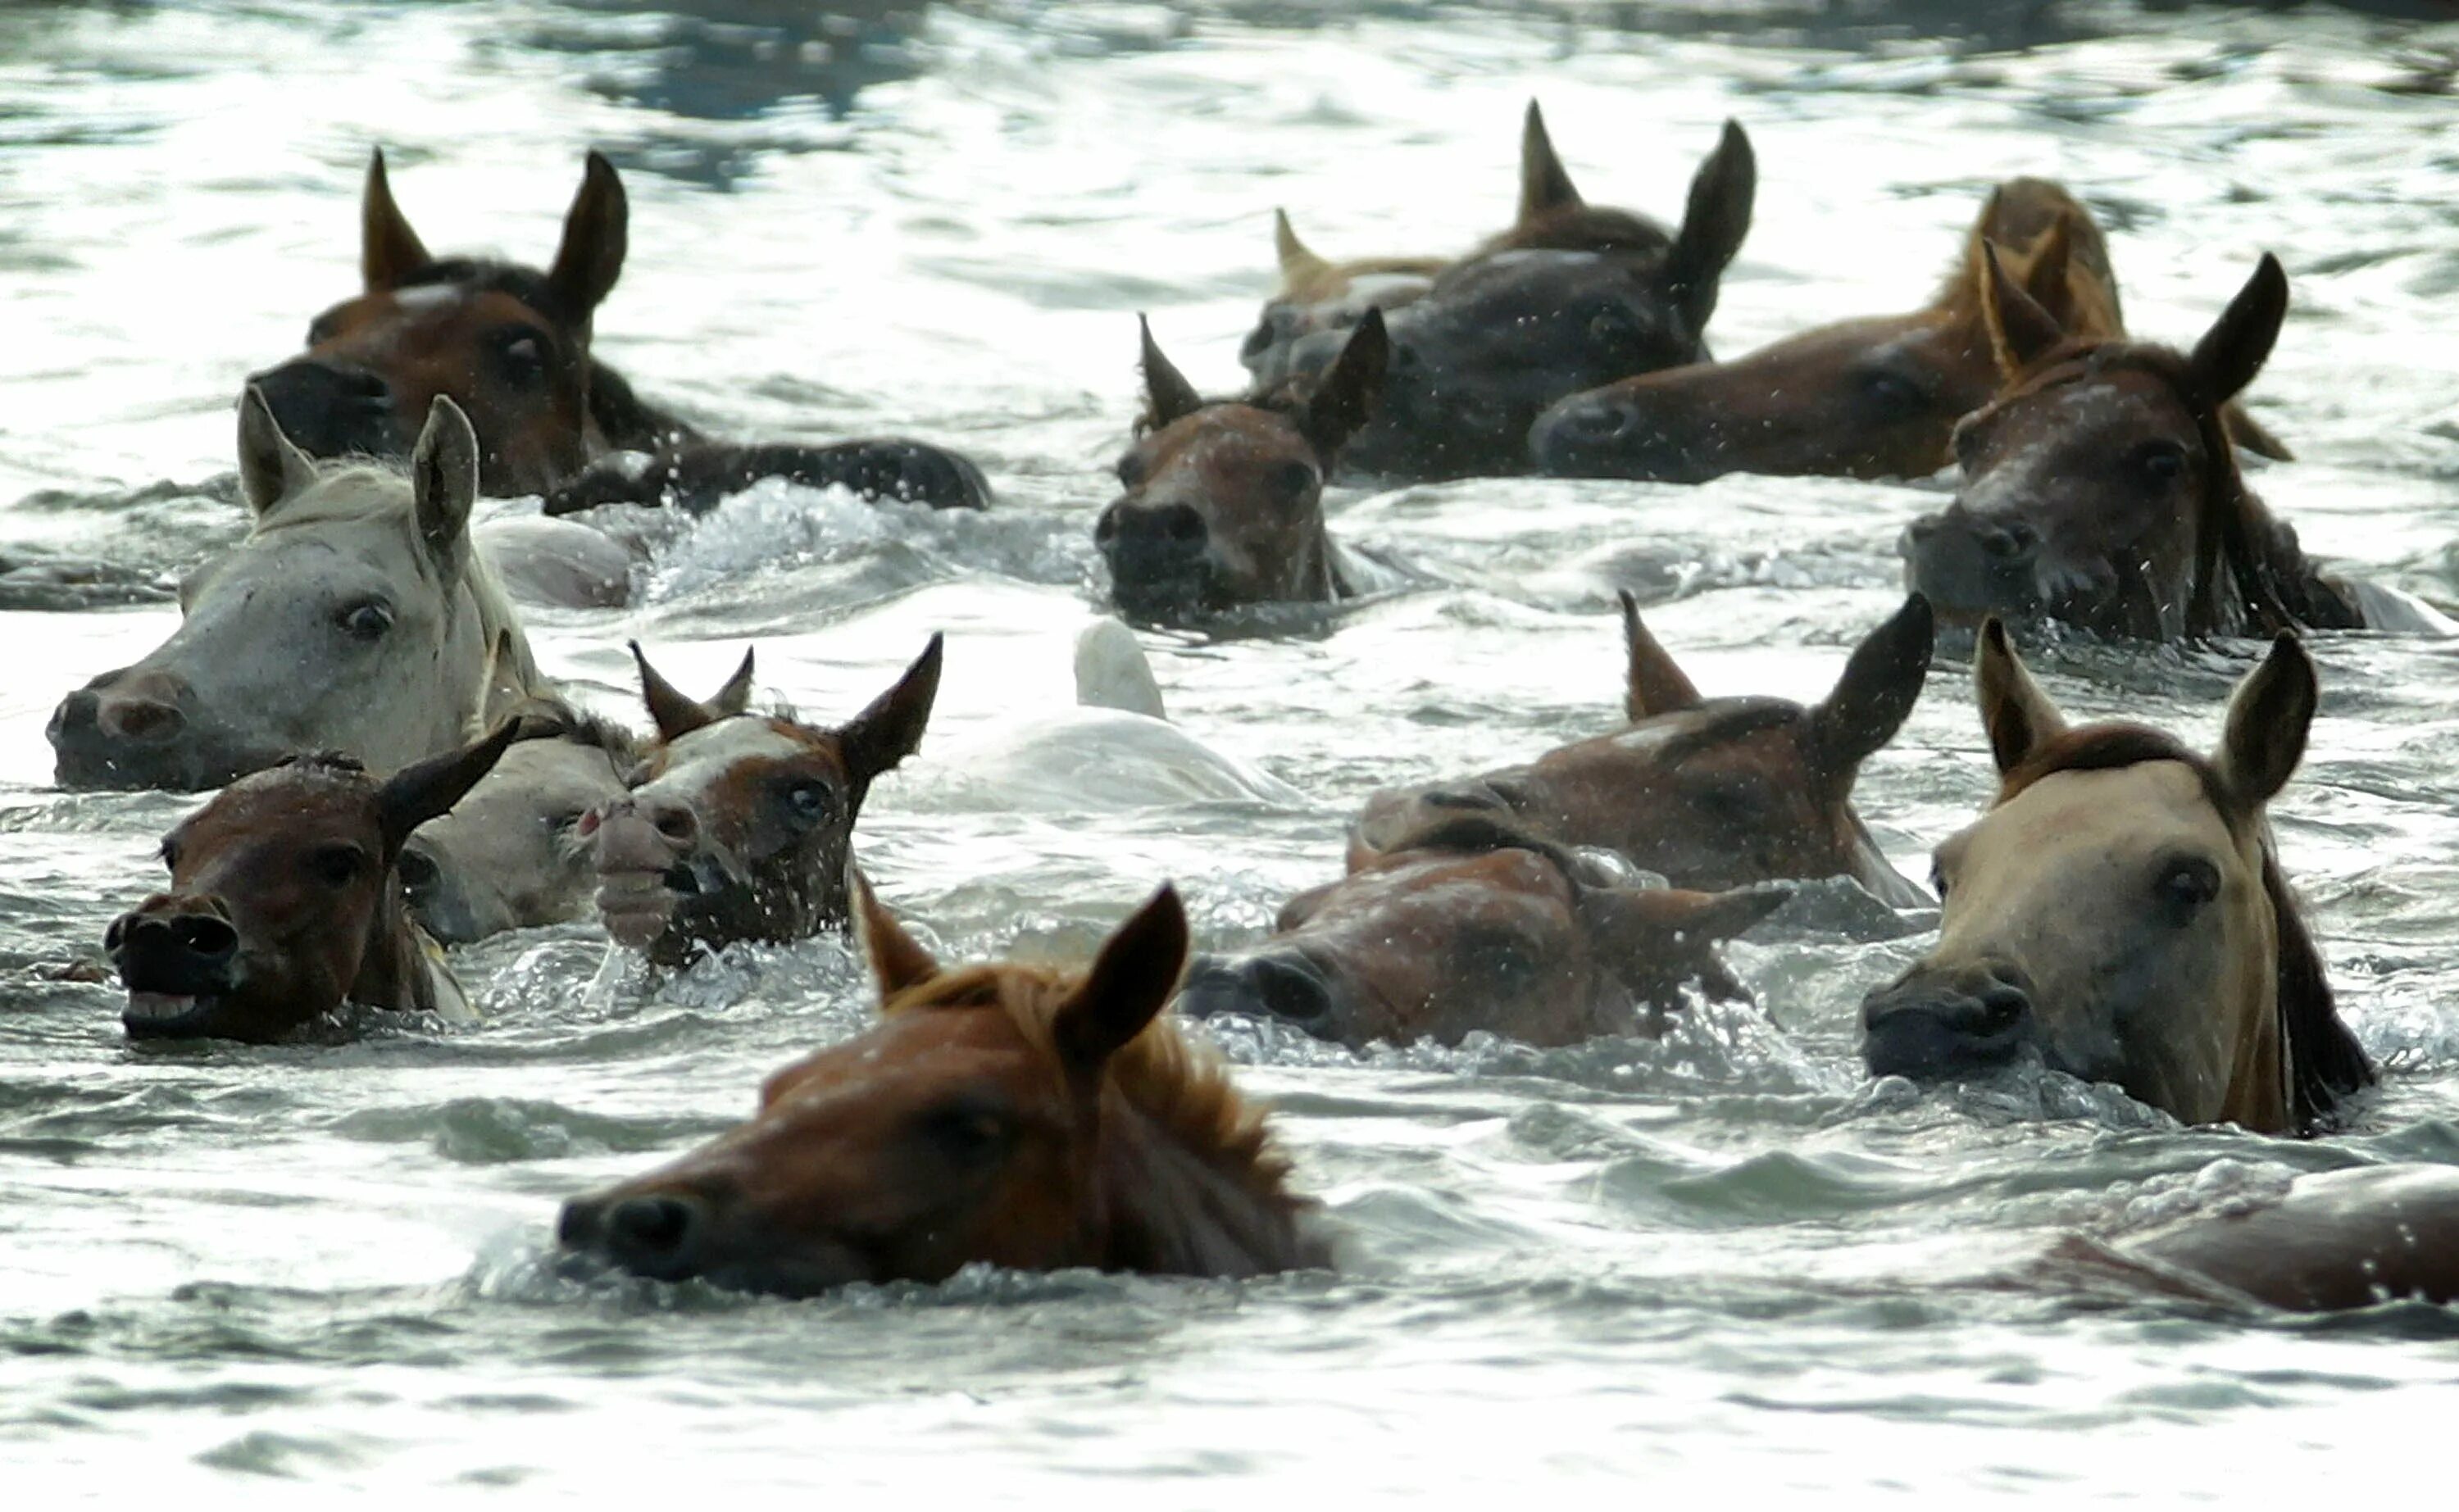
(998,1114)
(511,346)
(285,902)
(739,826)
(2332,1242)
(1475,926)
(2100,488)
(1572,298)
(1223,498)
(1712,793)
(2119,914)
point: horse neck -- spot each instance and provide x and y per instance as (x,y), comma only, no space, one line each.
(1170,1210)
(2251,574)
(393,971)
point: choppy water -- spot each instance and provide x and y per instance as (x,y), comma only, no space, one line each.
(1629,1268)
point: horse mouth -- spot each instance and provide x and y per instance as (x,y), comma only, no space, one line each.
(638,905)
(169,1015)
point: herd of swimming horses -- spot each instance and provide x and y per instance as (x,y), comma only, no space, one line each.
(396,775)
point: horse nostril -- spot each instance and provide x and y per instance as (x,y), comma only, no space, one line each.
(140,719)
(2007,542)
(1182,526)
(1290,990)
(1602,423)
(115,935)
(677,824)
(80,711)
(1922,530)
(656,1235)
(205,937)
(1105,530)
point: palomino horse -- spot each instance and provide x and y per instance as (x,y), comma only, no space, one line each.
(1475,926)
(1223,499)
(1573,297)
(997,1113)
(1876,397)
(510,345)
(739,826)
(1712,793)
(2100,488)
(355,618)
(2118,913)
(510,854)
(286,903)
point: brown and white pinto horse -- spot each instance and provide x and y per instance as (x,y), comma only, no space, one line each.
(740,825)
(2100,488)
(2119,914)
(1223,501)
(511,346)
(1476,926)
(1711,793)
(285,902)
(998,1114)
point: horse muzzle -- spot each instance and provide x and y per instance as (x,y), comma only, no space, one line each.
(1971,565)
(648,857)
(177,957)
(134,730)
(333,409)
(1282,984)
(1937,1023)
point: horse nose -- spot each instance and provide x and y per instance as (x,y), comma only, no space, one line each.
(1931,1025)
(1963,560)
(1144,540)
(1282,984)
(172,942)
(330,409)
(123,727)
(658,1235)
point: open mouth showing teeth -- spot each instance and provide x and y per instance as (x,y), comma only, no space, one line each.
(151,1015)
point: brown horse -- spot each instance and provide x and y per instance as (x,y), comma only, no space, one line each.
(997,1113)
(2100,488)
(1476,926)
(1712,793)
(511,346)
(1223,498)
(2333,1241)
(1872,398)
(2118,913)
(739,826)
(285,902)
(1572,298)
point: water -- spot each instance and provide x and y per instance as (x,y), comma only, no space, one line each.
(1718,1261)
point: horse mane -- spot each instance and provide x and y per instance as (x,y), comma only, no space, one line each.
(2325,1064)
(1581,228)
(1182,1089)
(552,718)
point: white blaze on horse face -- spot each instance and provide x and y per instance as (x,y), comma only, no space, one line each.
(2064,882)
(426,297)
(699,765)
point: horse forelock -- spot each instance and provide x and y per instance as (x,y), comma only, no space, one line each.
(485,276)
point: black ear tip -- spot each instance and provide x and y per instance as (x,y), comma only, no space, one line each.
(1371,324)
(1629,603)
(1993,634)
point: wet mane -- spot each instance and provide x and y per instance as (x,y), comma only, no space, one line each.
(556,720)
(1484,834)
(1182,1089)
(2325,1064)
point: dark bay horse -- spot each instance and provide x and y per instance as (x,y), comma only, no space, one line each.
(739,826)
(1712,793)
(1222,500)
(2332,1242)
(1476,926)
(1572,296)
(2118,912)
(511,346)
(2100,488)
(285,902)
(997,1113)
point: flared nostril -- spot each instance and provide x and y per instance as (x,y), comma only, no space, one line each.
(656,1232)
(1290,990)
(149,721)
(1182,526)
(207,938)
(2001,1009)
(676,823)
(2005,543)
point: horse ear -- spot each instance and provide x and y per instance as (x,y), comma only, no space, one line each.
(2233,350)
(1882,683)
(2267,723)
(597,233)
(2017,714)
(389,251)
(2021,332)
(890,730)
(1131,981)
(898,959)
(2045,278)
(422,790)
(270,469)
(1300,265)
(1713,224)
(444,480)
(674,713)
(1544,183)
(1655,684)
(1661,937)
(736,695)
(1168,397)
(1347,394)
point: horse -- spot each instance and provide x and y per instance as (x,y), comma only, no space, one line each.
(285,902)
(511,346)
(1710,794)
(1222,499)
(509,855)
(998,1114)
(737,825)
(1572,298)
(1476,926)
(2100,490)
(355,617)
(2120,914)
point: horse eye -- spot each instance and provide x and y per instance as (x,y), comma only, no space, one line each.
(810,800)
(969,1134)
(1938,882)
(336,865)
(2186,885)
(366,620)
(171,854)
(1293,480)
(523,358)
(2161,462)
(1892,391)
(1613,323)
